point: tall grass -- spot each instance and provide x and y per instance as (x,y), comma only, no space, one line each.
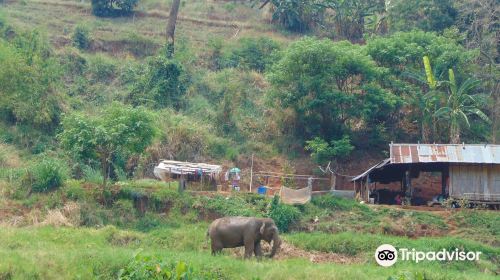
(67,253)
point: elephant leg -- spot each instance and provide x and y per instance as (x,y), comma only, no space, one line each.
(258,250)
(249,248)
(216,248)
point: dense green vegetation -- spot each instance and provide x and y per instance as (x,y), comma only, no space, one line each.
(119,239)
(89,103)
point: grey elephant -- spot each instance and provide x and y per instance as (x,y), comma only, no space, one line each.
(231,232)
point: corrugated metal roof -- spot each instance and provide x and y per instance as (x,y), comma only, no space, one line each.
(376,166)
(456,153)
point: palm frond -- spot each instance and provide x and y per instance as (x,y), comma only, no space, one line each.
(464,116)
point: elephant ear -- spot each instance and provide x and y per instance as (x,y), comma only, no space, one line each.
(262,228)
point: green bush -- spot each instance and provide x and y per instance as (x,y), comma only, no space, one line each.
(253,53)
(283,215)
(123,212)
(101,68)
(29,82)
(149,222)
(160,85)
(109,8)
(140,46)
(46,175)
(337,203)
(228,206)
(94,215)
(73,63)
(147,267)
(81,37)
(322,151)
(74,190)
(91,175)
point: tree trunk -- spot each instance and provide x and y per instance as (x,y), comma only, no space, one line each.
(454,133)
(495,112)
(424,130)
(172,19)
(104,171)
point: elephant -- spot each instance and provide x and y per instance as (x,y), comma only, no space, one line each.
(231,232)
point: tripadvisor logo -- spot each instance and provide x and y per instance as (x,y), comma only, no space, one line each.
(386,255)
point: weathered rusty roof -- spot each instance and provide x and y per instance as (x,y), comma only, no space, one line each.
(456,153)
(376,166)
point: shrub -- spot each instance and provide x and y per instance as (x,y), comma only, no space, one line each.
(123,212)
(101,68)
(121,238)
(161,85)
(73,63)
(74,190)
(140,46)
(322,151)
(283,215)
(9,157)
(147,267)
(337,203)
(46,175)
(148,222)
(93,215)
(108,8)
(229,206)
(81,37)
(254,53)
(29,82)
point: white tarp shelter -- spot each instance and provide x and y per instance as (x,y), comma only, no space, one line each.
(167,167)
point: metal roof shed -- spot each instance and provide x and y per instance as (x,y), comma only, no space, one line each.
(468,171)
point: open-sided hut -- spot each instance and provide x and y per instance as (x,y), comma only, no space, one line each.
(205,174)
(468,171)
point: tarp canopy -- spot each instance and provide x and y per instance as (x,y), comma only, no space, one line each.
(166,167)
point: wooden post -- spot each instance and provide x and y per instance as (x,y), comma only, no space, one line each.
(182,182)
(367,187)
(251,174)
(333,180)
(408,190)
(445,173)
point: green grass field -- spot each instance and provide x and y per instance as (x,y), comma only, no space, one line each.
(98,241)
(84,253)
(78,229)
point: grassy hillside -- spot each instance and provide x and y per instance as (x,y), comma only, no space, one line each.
(71,235)
(89,105)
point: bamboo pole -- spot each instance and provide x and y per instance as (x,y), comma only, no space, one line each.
(251,174)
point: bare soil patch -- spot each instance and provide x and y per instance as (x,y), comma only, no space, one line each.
(288,251)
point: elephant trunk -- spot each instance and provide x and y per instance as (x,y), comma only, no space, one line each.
(276,245)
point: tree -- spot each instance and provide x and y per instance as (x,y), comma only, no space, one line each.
(478,20)
(323,152)
(401,53)
(116,130)
(460,105)
(253,53)
(326,85)
(106,8)
(29,75)
(172,20)
(160,85)
(350,16)
(427,15)
(295,15)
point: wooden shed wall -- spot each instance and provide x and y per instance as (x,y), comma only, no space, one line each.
(480,179)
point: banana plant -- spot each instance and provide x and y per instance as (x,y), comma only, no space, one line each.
(427,102)
(460,105)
